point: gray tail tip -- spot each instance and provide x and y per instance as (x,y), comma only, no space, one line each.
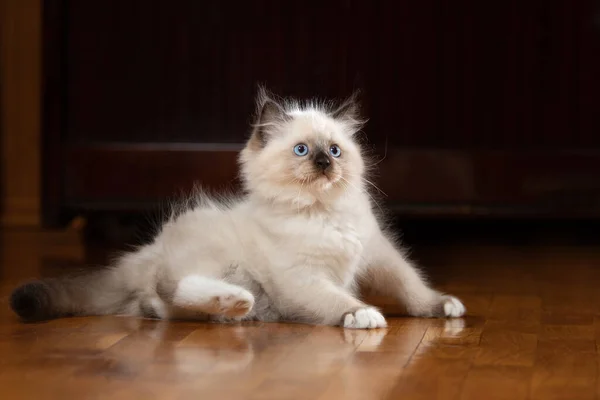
(32,302)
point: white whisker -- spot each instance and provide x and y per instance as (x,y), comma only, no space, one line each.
(299,192)
(384,155)
(364,191)
(375,186)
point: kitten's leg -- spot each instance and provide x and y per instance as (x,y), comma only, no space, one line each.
(319,301)
(392,274)
(201,294)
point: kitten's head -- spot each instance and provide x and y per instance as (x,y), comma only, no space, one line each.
(303,153)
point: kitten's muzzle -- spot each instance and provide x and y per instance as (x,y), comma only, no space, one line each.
(322,161)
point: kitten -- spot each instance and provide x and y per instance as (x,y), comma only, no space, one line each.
(294,248)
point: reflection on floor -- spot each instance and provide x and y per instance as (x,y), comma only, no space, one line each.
(531,329)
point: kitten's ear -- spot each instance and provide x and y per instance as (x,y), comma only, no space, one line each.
(349,112)
(350,108)
(269,114)
(269,109)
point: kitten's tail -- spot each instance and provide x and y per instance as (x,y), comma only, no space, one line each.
(97,293)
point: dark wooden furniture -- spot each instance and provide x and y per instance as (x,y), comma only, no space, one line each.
(476,108)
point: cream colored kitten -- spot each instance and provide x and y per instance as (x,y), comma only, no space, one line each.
(294,248)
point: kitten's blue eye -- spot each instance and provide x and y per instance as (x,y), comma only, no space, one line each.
(335,151)
(301,149)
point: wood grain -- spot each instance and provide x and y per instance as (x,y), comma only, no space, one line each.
(531,333)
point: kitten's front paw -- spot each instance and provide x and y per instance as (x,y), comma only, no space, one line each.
(364,318)
(452,307)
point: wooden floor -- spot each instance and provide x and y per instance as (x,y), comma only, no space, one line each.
(531,333)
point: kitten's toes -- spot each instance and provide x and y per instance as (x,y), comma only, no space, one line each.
(451,307)
(236,304)
(364,318)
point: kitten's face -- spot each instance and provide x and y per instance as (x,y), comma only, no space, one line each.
(303,156)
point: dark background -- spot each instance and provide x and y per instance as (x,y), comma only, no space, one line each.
(477,109)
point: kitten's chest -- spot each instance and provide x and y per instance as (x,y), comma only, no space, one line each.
(341,239)
(329,244)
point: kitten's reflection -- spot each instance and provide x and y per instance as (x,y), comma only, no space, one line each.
(218,349)
(192,350)
(384,354)
(371,338)
(453,327)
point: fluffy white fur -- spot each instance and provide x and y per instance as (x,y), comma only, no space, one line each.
(294,247)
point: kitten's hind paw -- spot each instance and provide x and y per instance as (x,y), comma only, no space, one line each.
(235,304)
(364,318)
(200,294)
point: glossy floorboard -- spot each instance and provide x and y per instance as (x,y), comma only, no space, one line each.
(531,333)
